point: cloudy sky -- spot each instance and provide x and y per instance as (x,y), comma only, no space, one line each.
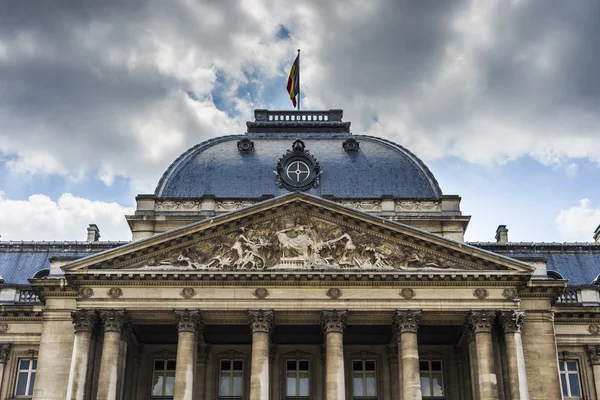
(500,98)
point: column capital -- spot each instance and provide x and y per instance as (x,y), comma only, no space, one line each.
(4,351)
(189,321)
(406,321)
(114,320)
(482,321)
(261,320)
(512,321)
(333,320)
(593,351)
(84,320)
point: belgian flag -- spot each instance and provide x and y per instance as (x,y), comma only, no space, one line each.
(293,85)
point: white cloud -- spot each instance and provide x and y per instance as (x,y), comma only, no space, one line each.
(41,218)
(579,222)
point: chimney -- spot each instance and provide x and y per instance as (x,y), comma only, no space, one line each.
(501,234)
(93,233)
(597,234)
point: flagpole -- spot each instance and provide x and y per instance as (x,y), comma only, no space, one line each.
(300,90)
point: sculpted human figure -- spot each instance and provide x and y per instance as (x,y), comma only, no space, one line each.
(296,241)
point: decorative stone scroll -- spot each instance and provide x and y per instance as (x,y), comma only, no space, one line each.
(189,321)
(482,321)
(299,241)
(406,321)
(84,320)
(4,352)
(334,321)
(512,321)
(261,320)
(593,351)
(114,320)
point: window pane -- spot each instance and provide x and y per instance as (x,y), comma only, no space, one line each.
(572,365)
(291,384)
(34,366)
(371,385)
(357,365)
(436,365)
(171,365)
(425,385)
(238,365)
(303,365)
(157,384)
(438,385)
(291,365)
(24,364)
(358,385)
(225,365)
(224,385)
(369,365)
(424,365)
(169,383)
(22,384)
(237,384)
(574,383)
(31,383)
(304,386)
(563,380)
(561,366)
(159,364)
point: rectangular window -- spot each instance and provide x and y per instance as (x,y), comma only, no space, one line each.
(163,378)
(297,378)
(432,378)
(231,378)
(569,379)
(364,379)
(25,378)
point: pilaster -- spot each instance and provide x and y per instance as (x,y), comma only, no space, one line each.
(594,355)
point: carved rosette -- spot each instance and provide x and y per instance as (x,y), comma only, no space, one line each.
(594,330)
(4,328)
(261,320)
(333,321)
(407,293)
(114,320)
(334,293)
(482,321)
(189,321)
(594,353)
(115,293)
(4,352)
(510,293)
(86,292)
(188,293)
(261,293)
(406,321)
(481,293)
(512,321)
(83,320)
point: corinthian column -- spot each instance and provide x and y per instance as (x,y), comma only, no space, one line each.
(84,321)
(481,322)
(261,323)
(333,323)
(189,326)
(4,352)
(512,322)
(113,322)
(406,324)
(594,353)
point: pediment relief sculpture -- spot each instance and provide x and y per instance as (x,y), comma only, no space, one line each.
(299,241)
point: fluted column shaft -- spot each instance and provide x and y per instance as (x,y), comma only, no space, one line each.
(333,323)
(4,352)
(261,324)
(189,325)
(406,324)
(481,322)
(594,353)
(512,323)
(113,322)
(84,321)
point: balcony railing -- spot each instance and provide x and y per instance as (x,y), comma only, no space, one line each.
(292,121)
(569,296)
(27,296)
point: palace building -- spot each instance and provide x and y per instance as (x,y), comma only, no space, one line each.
(299,261)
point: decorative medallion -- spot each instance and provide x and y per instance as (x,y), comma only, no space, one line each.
(594,330)
(334,293)
(298,169)
(481,293)
(245,145)
(510,293)
(407,293)
(188,292)
(115,293)
(261,293)
(86,292)
(350,144)
(4,328)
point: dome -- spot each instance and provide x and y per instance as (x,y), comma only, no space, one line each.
(245,166)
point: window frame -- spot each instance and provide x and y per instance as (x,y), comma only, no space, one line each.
(363,361)
(566,372)
(30,371)
(164,371)
(231,358)
(298,371)
(431,372)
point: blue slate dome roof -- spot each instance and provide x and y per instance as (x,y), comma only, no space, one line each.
(379,168)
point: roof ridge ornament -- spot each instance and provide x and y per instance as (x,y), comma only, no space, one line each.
(298,170)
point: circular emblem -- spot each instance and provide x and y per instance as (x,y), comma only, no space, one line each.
(298,169)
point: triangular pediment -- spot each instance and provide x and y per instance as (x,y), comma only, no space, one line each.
(297,232)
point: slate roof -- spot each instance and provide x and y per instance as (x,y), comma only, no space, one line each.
(380,167)
(577,262)
(20,261)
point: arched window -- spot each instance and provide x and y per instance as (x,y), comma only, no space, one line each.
(554,275)
(41,274)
